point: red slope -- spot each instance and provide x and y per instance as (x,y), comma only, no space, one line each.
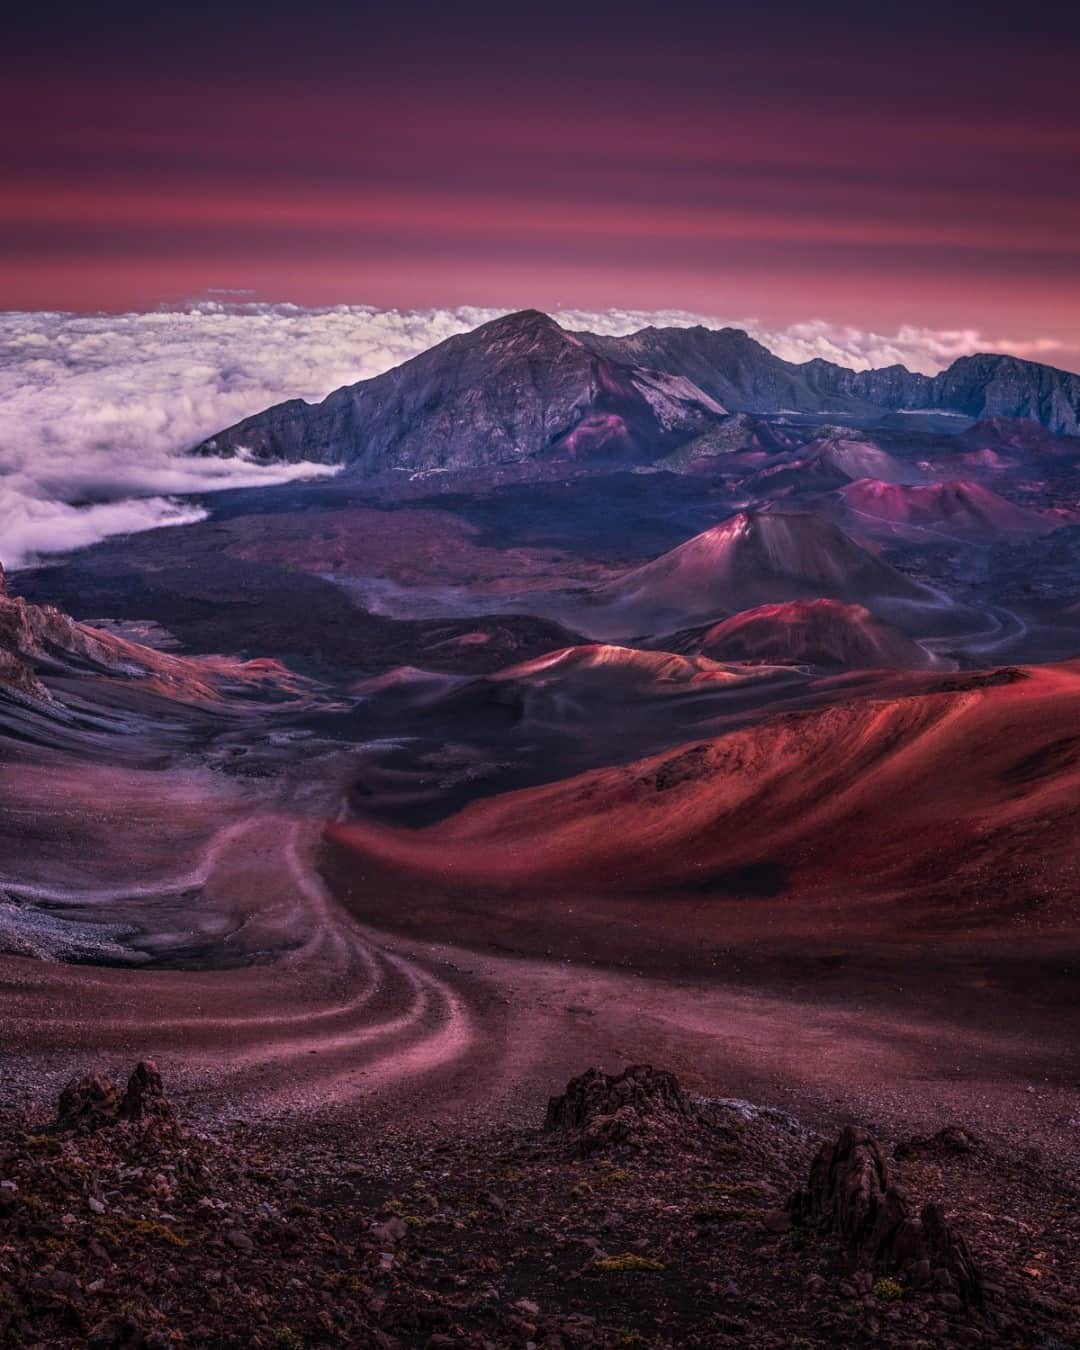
(814,632)
(938,794)
(752,558)
(610,662)
(958,507)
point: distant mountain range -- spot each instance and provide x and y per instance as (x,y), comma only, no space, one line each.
(521,387)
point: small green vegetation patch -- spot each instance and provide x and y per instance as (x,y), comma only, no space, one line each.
(627,1261)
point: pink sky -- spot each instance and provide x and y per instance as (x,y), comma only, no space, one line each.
(861,177)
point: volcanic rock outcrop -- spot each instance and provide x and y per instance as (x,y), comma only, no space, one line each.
(40,640)
(849,1196)
(95,1100)
(640,1107)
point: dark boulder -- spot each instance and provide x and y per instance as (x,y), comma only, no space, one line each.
(88,1103)
(144,1097)
(639,1107)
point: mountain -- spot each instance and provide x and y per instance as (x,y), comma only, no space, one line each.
(960,507)
(727,363)
(514,388)
(747,377)
(522,386)
(816,633)
(1016,434)
(753,558)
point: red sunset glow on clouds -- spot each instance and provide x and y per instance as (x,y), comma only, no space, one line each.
(785,168)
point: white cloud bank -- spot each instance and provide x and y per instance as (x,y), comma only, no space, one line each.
(96,411)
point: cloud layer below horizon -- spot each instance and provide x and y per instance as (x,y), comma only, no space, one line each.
(97,411)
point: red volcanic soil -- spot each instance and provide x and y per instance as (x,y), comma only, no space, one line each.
(986,459)
(814,632)
(960,507)
(653,670)
(868,822)
(753,558)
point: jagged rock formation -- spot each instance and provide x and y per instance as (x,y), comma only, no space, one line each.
(747,377)
(37,640)
(95,1100)
(849,1196)
(639,1107)
(144,1097)
(522,386)
(16,674)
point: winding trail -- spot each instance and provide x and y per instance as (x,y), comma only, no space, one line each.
(321,1010)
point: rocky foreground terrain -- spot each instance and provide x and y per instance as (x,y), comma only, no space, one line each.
(632,1216)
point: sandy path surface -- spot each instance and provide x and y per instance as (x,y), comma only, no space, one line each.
(336,1016)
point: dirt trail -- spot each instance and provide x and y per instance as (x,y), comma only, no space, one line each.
(344,1017)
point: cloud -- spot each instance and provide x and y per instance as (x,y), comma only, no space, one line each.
(97,411)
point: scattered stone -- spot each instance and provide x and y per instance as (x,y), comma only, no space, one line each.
(951,1140)
(237,1238)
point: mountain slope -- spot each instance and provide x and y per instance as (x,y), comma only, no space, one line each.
(511,389)
(945,786)
(959,507)
(38,641)
(813,632)
(753,558)
(747,377)
(522,386)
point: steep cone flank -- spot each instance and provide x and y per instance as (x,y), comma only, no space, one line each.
(960,507)
(922,790)
(754,558)
(814,632)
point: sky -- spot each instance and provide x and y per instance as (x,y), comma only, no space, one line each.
(872,166)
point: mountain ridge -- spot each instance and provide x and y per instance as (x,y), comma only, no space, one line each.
(521,387)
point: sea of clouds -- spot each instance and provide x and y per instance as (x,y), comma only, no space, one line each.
(98,411)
